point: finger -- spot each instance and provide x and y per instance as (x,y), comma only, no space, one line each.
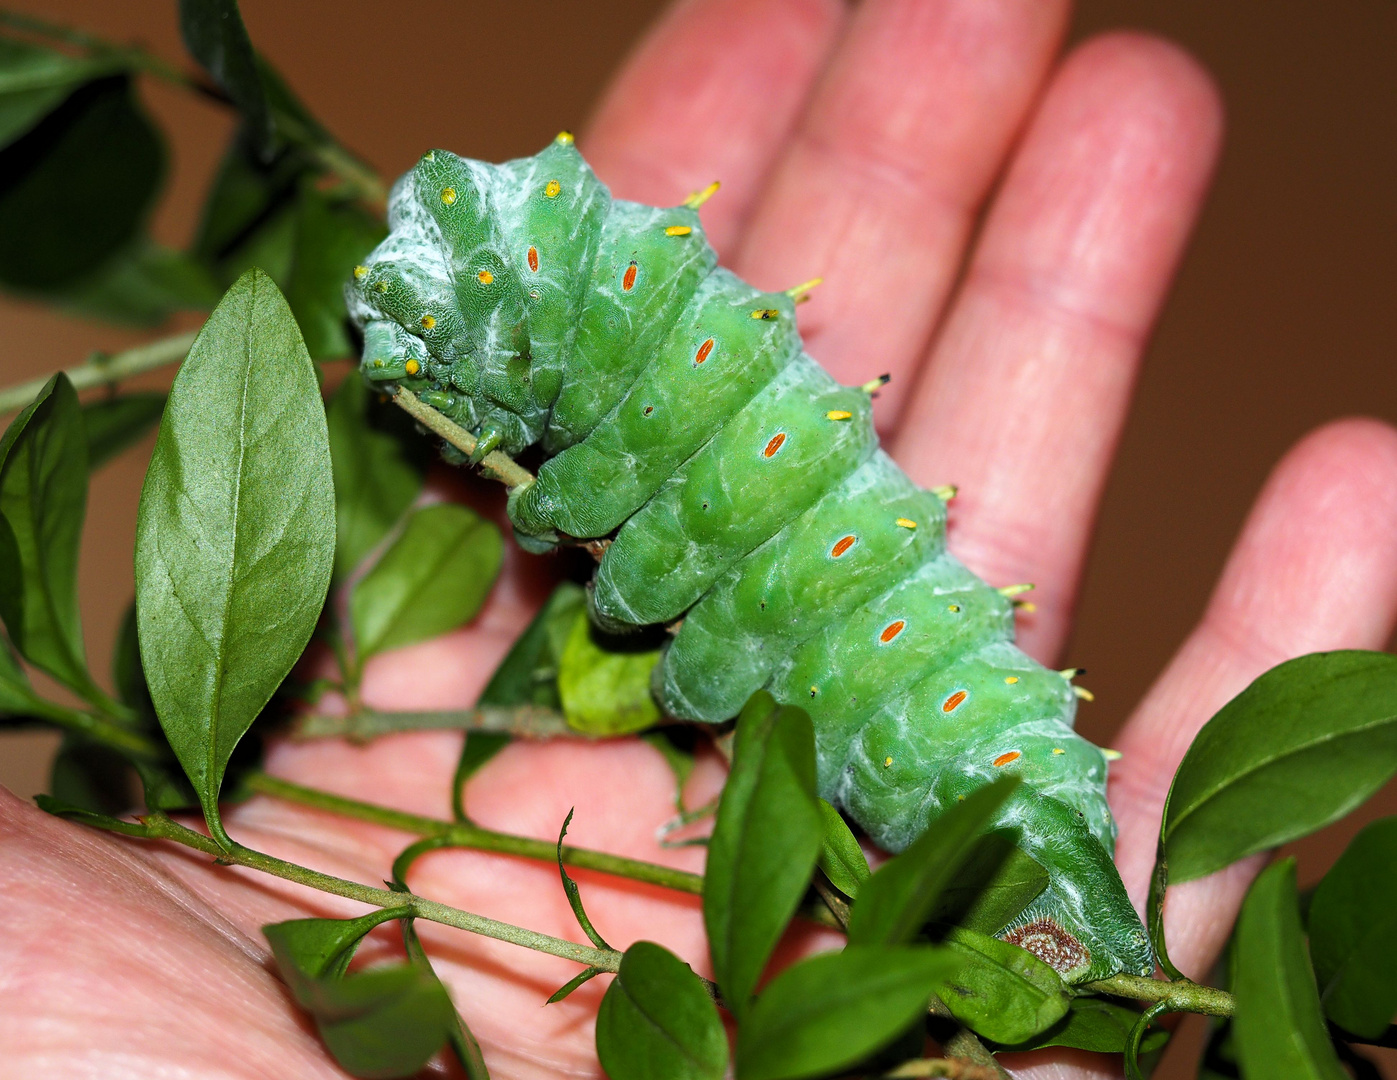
(879,189)
(1314,569)
(1028,386)
(710,94)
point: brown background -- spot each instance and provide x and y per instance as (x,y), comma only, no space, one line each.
(1282,318)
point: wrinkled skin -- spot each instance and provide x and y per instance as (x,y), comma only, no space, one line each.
(861,146)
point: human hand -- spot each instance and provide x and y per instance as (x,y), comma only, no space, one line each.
(860,146)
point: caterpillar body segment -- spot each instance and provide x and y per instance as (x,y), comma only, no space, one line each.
(743,490)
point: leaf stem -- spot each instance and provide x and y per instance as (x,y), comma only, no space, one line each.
(468,835)
(103,370)
(528,721)
(1181,995)
(501,465)
(98,728)
(159,826)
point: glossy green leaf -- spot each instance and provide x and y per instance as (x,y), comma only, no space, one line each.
(34,80)
(995,883)
(828,1012)
(331,238)
(1001,991)
(841,858)
(657,1020)
(75,189)
(143,284)
(385,1022)
(764,846)
(1097,1025)
(1279,1029)
(574,895)
(528,675)
(604,683)
(215,35)
(376,478)
(112,424)
(1353,925)
(434,578)
(895,903)
(235,533)
(1300,747)
(43,498)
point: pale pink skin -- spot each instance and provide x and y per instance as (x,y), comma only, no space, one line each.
(860,147)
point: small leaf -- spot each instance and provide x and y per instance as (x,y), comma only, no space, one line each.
(215,35)
(91,776)
(841,858)
(235,534)
(43,498)
(76,188)
(113,424)
(764,845)
(376,480)
(994,884)
(584,976)
(16,695)
(1303,745)
(828,1012)
(896,902)
(331,237)
(1001,991)
(656,1020)
(1279,1029)
(1353,924)
(463,1042)
(1096,1025)
(676,746)
(34,80)
(528,675)
(249,215)
(143,284)
(434,578)
(574,897)
(605,690)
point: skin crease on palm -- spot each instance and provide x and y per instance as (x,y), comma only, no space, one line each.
(862,144)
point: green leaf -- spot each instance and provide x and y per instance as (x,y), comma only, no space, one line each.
(91,776)
(34,80)
(828,1012)
(112,424)
(16,695)
(43,499)
(76,188)
(764,845)
(434,578)
(331,237)
(563,992)
(1300,747)
(1096,1025)
(235,533)
(676,746)
(995,883)
(215,35)
(841,858)
(385,1022)
(657,1020)
(463,1042)
(1001,991)
(376,480)
(479,747)
(895,903)
(574,897)
(604,683)
(1353,923)
(1279,1029)
(528,675)
(141,285)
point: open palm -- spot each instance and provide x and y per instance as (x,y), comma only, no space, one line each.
(861,145)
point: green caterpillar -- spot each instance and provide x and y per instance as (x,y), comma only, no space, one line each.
(744,491)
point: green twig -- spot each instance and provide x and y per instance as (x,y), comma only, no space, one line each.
(103,370)
(98,728)
(511,473)
(526,721)
(1182,995)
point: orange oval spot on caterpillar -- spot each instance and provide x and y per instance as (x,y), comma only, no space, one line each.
(843,544)
(678,230)
(1005,759)
(552,188)
(766,313)
(703,351)
(1011,679)
(412,367)
(360,273)
(953,702)
(838,414)
(485,277)
(564,138)
(628,278)
(1058,750)
(953,608)
(892,630)
(647,410)
(814,690)
(774,445)
(887,762)
(448,195)
(533,259)
(905,523)
(428,322)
